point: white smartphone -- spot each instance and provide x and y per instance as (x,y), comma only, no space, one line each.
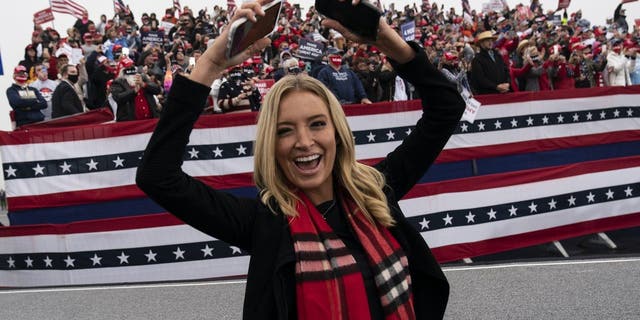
(243,33)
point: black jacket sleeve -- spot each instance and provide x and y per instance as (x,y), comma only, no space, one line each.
(160,175)
(442,108)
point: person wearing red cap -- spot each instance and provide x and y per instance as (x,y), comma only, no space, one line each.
(562,72)
(88,45)
(237,93)
(342,81)
(134,93)
(97,86)
(586,69)
(26,102)
(452,71)
(369,77)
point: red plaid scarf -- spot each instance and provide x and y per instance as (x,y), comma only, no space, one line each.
(328,282)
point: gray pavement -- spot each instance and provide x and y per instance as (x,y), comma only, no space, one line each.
(566,289)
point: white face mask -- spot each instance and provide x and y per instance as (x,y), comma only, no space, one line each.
(131,79)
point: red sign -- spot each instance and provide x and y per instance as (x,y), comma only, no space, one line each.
(563,4)
(43,16)
(264,86)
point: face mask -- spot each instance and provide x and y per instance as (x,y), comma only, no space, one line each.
(335,61)
(617,50)
(21,77)
(73,78)
(293,70)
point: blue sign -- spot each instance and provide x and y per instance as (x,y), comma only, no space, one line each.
(408,31)
(1,69)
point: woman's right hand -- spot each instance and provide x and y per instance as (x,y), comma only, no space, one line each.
(388,41)
(214,60)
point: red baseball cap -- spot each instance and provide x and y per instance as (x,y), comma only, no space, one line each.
(19,68)
(450,57)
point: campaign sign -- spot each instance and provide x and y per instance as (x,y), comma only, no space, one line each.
(408,31)
(166,25)
(43,16)
(152,37)
(264,86)
(309,50)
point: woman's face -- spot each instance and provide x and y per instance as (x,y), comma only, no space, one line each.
(306,144)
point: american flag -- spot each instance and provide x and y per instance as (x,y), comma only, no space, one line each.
(177,6)
(529,170)
(119,6)
(67,7)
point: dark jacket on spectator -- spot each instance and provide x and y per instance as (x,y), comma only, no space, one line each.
(487,74)
(97,88)
(27,103)
(65,101)
(125,96)
(371,84)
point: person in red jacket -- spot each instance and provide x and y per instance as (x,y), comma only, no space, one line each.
(563,73)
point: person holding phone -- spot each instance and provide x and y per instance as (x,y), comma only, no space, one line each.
(326,235)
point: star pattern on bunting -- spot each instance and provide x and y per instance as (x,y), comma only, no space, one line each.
(543,120)
(123,257)
(551,204)
(241,149)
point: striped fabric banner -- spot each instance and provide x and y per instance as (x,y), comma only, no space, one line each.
(532,168)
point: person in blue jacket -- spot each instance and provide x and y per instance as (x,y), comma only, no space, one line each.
(326,235)
(342,81)
(26,101)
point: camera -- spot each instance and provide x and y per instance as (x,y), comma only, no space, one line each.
(536,59)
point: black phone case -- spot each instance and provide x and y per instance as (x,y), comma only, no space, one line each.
(362,19)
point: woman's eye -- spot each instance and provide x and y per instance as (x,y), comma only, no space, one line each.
(283,131)
(317,124)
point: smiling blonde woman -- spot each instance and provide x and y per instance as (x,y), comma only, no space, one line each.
(326,235)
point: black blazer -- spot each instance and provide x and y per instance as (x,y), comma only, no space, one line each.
(65,101)
(248,224)
(124,96)
(486,74)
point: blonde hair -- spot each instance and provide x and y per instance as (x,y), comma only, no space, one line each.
(363,183)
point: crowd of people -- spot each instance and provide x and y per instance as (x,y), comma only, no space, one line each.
(128,62)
